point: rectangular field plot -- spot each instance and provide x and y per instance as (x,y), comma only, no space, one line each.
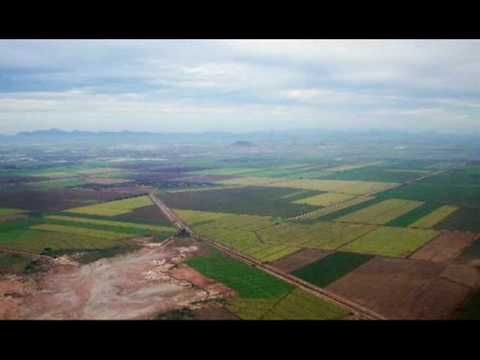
(390,241)
(114,208)
(340,186)
(246,280)
(414,215)
(446,247)
(374,173)
(300,305)
(193,217)
(430,220)
(115,225)
(299,259)
(269,253)
(464,219)
(36,241)
(331,268)
(381,213)
(320,235)
(248,200)
(10,212)
(71,230)
(402,289)
(335,210)
(326,199)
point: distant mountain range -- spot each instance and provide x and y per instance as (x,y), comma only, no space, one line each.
(300,135)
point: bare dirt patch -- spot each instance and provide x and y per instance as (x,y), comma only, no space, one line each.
(213,311)
(299,259)
(445,247)
(138,285)
(402,289)
(462,274)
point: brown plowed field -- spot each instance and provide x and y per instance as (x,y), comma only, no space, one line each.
(299,259)
(402,289)
(139,285)
(463,274)
(445,247)
(61,199)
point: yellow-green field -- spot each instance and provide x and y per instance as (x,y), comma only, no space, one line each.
(10,212)
(391,241)
(80,231)
(114,208)
(382,212)
(434,217)
(336,207)
(321,235)
(326,199)
(153,228)
(338,186)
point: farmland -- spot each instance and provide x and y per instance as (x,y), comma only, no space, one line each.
(393,230)
(390,241)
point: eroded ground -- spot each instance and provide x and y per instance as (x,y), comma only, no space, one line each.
(139,285)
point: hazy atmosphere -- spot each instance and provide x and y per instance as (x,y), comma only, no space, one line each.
(239,85)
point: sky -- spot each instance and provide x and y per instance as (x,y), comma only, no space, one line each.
(239,85)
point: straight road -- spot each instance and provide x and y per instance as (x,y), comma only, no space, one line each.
(356,309)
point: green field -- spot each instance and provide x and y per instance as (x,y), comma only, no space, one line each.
(391,241)
(382,212)
(246,280)
(117,225)
(464,219)
(436,216)
(262,296)
(10,212)
(374,173)
(261,201)
(331,268)
(471,311)
(36,241)
(193,217)
(72,230)
(114,208)
(326,199)
(414,215)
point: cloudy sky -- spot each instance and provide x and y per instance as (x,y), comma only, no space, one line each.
(241,85)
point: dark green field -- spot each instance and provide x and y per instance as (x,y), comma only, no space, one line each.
(412,216)
(372,173)
(465,219)
(246,280)
(331,268)
(249,200)
(471,311)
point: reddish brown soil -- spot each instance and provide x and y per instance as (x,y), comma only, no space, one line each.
(402,289)
(299,259)
(139,285)
(445,247)
(213,311)
(463,274)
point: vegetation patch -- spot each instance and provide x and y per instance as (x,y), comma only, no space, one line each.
(471,310)
(246,280)
(382,212)
(464,219)
(413,215)
(331,268)
(326,199)
(114,208)
(72,230)
(248,200)
(10,212)
(391,241)
(13,263)
(430,220)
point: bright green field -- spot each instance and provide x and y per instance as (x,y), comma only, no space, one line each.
(391,241)
(248,281)
(72,230)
